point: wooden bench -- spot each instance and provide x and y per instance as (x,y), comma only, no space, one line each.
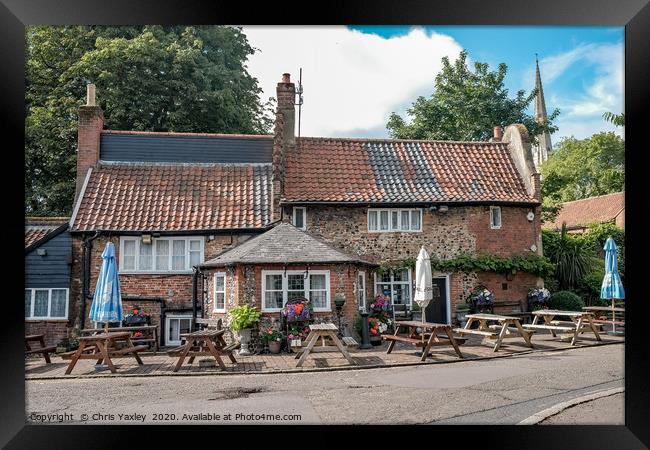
(508,327)
(350,342)
(549,327)
(43,349)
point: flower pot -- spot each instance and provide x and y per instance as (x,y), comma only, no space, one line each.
(274,346)
(244,340)
(460,316)
(375,339)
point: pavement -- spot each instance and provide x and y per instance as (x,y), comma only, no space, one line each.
(495,391)
(608,410)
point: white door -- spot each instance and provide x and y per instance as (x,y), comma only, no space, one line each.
(175,326)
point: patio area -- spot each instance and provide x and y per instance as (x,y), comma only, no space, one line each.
(402,355)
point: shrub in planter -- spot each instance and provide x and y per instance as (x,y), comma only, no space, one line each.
(242,319)
(566,301)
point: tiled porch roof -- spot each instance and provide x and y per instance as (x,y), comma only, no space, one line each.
(283,244)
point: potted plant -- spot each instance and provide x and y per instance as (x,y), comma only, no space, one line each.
(273,338)
(296,335)
(376,327)
(461,311)
(481,299)
(416,311)
(538,298)
(242,319)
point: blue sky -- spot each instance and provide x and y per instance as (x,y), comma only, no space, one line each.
(374,70)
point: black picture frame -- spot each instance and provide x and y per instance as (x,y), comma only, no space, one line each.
(633,14)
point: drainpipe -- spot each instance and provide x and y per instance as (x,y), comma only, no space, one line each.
(86,255)
(195,292)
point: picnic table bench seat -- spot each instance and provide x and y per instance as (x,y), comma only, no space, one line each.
(349,341)
(549,327)
(44,350)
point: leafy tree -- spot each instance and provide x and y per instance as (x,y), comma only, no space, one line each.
(582,168)
(466,105)
(616,119)
(149,78)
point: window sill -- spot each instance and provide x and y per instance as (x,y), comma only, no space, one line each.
(394,231)
(179,272)
(45,319)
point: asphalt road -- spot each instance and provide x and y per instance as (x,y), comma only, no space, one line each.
(497,391)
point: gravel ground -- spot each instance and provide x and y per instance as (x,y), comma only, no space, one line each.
(498,391)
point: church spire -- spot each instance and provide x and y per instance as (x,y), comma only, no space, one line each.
(543,146)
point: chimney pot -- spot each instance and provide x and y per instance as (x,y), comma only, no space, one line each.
(90,95)
(286,78)
(497,133)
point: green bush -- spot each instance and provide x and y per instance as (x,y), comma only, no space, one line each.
(566,301)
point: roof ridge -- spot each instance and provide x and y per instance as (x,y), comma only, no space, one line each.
(362,139)
(594,197)
(103,162)
(181,133)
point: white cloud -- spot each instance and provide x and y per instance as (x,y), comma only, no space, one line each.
(581,109)
(352,81)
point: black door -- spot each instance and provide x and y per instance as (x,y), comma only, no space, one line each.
(436,310)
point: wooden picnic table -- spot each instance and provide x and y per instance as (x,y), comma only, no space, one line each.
(203,343)
(509,327)
(580,321)
(103,347)
(322,331)
(423,339)
(602,315)
(43,350)
(149,334)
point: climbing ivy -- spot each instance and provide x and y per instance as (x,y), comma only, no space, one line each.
(535,264)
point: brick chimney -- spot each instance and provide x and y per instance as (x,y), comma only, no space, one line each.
(91,123)
(284,139)
(497,134)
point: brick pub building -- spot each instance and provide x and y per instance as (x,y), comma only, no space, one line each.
(204,222)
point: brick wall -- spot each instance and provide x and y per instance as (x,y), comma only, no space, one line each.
(54,330)
(174,289)
(244,285)
(91,123)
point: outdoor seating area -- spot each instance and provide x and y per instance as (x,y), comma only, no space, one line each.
(402,354)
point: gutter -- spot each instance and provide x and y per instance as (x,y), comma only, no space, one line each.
(408,204)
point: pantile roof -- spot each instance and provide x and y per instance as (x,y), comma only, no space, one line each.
(401,171)
(581,213)
(36,228)
(283,244)
(174,197)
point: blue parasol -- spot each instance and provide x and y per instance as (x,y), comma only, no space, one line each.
(612,287)
(107,301)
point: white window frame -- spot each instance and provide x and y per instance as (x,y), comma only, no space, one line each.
(492,209)
(177,316)
(138,241)
(409,283)
(214,291)
(285,284)
(304,217)
(361,275)
(49,304)
(391,228)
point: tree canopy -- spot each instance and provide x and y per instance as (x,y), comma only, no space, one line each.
(466,105)
(148,78)
(582,168)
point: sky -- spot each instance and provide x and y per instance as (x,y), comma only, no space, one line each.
(354,77)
